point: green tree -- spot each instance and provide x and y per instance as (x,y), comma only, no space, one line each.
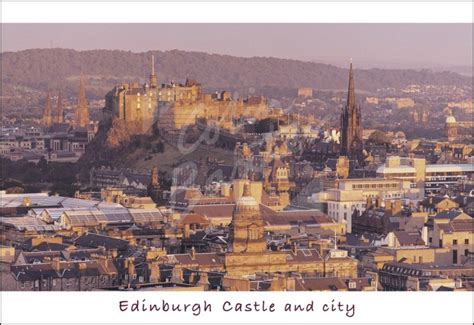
(380,138)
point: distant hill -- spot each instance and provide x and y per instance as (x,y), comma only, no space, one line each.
(40,69)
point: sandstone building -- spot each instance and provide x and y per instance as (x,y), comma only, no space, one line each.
(451,128)
(138,106)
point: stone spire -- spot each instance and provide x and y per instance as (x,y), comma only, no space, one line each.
(351,124)
(153,78)
(351,98)
(48,115)
(82,111)
(58,116)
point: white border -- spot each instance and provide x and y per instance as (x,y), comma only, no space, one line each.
(237,12)
(370,307)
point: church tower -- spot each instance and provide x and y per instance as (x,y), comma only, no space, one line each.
(247,227)
(153,77)
(451,127)
(154,189)
(58,116)
(47,115)
(82,110)
(351,124)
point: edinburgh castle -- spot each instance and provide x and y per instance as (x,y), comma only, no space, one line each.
(137,107)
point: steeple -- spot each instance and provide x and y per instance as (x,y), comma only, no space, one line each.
(351,123)
(351,99)
(153,78)
(58,116)
(47,115)
(82,111)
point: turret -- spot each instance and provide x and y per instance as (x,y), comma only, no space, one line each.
(153,78)
(82,110)
(47,116)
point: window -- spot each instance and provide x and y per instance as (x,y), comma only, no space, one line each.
(455,241)
(455,256)
(466,241)
(466,252)
(54,282)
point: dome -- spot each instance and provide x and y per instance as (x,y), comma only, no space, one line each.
(247,202)
(450,119)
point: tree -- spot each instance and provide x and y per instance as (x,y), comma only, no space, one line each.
(380,138)
(266,125)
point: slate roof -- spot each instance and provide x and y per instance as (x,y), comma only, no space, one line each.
(208,259)
(96,240)
(409,238)
(272,217)
(32,272)
(320,284)
(447,214)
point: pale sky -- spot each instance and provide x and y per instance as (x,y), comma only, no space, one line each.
(384,45)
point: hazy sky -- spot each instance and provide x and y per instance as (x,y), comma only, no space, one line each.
(390,45)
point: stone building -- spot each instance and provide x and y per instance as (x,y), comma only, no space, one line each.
(136,107)
(246,229)
(305,92)
(248,253)
(134,104)
(451,128)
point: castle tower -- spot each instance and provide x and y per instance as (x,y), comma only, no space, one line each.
(48,115)
(153,78)
(58,116)
(351,124)
(247,227)
(82,110)
(451,127)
